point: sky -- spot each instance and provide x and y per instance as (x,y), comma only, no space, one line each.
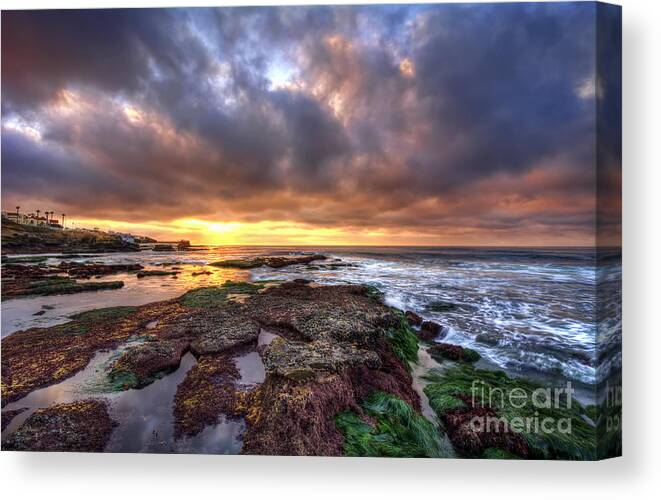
(385,125)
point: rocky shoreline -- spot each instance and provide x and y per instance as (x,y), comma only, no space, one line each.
(23,279)
(336,375)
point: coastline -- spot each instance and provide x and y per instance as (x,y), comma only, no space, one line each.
(367,354)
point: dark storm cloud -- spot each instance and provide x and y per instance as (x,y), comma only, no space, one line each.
(388,116)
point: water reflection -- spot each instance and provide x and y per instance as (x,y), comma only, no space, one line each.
(145,418)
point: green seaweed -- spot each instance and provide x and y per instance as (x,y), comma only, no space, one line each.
(212,296)
(494,389)
(373,292)
(103,314)
(399,431)
(122,380)
(499,454)
(470,355)
(403,340)
(609,429)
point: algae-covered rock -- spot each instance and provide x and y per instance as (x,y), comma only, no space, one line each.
(79,426)
(214,296)
(453,352)
(54,285)
(223,330)
(429,330)
(208,391)
(274,262)
(484,409)
(64,349)
(305,360)
(413,318)
(155,272)
(143,363)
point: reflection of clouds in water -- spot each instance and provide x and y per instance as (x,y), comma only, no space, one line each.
(251,369)
(222,438)
(147,423)
(144,415)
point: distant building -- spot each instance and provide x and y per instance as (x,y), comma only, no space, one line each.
(32,220)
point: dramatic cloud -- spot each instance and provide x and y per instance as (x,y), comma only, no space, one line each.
(406,124)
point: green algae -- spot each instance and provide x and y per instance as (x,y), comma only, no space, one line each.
(104,314)
(499,454)
(515,401)
(403,340)
(212,296)
(121,380)
(398,431)
(373,292)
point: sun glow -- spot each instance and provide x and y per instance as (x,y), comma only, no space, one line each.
(267,232)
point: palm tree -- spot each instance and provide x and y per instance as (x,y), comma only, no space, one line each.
(17,212)
(38,213)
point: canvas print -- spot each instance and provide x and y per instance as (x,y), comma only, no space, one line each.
(367,231)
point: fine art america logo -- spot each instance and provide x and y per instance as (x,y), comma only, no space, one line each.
(538,402)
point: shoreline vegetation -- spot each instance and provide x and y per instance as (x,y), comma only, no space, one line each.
(338,377)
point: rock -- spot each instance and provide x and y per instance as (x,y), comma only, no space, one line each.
(142,364)
(413,318)
(454,353)
(155,272)
(215,296)
(441,306)
(223,330)
(208,391)
(429,330)
(303,360)
(64,349)
(40,313)
(87,270)
(198,273)
(30,280)
(274,262)
(79,426)
(487,339)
